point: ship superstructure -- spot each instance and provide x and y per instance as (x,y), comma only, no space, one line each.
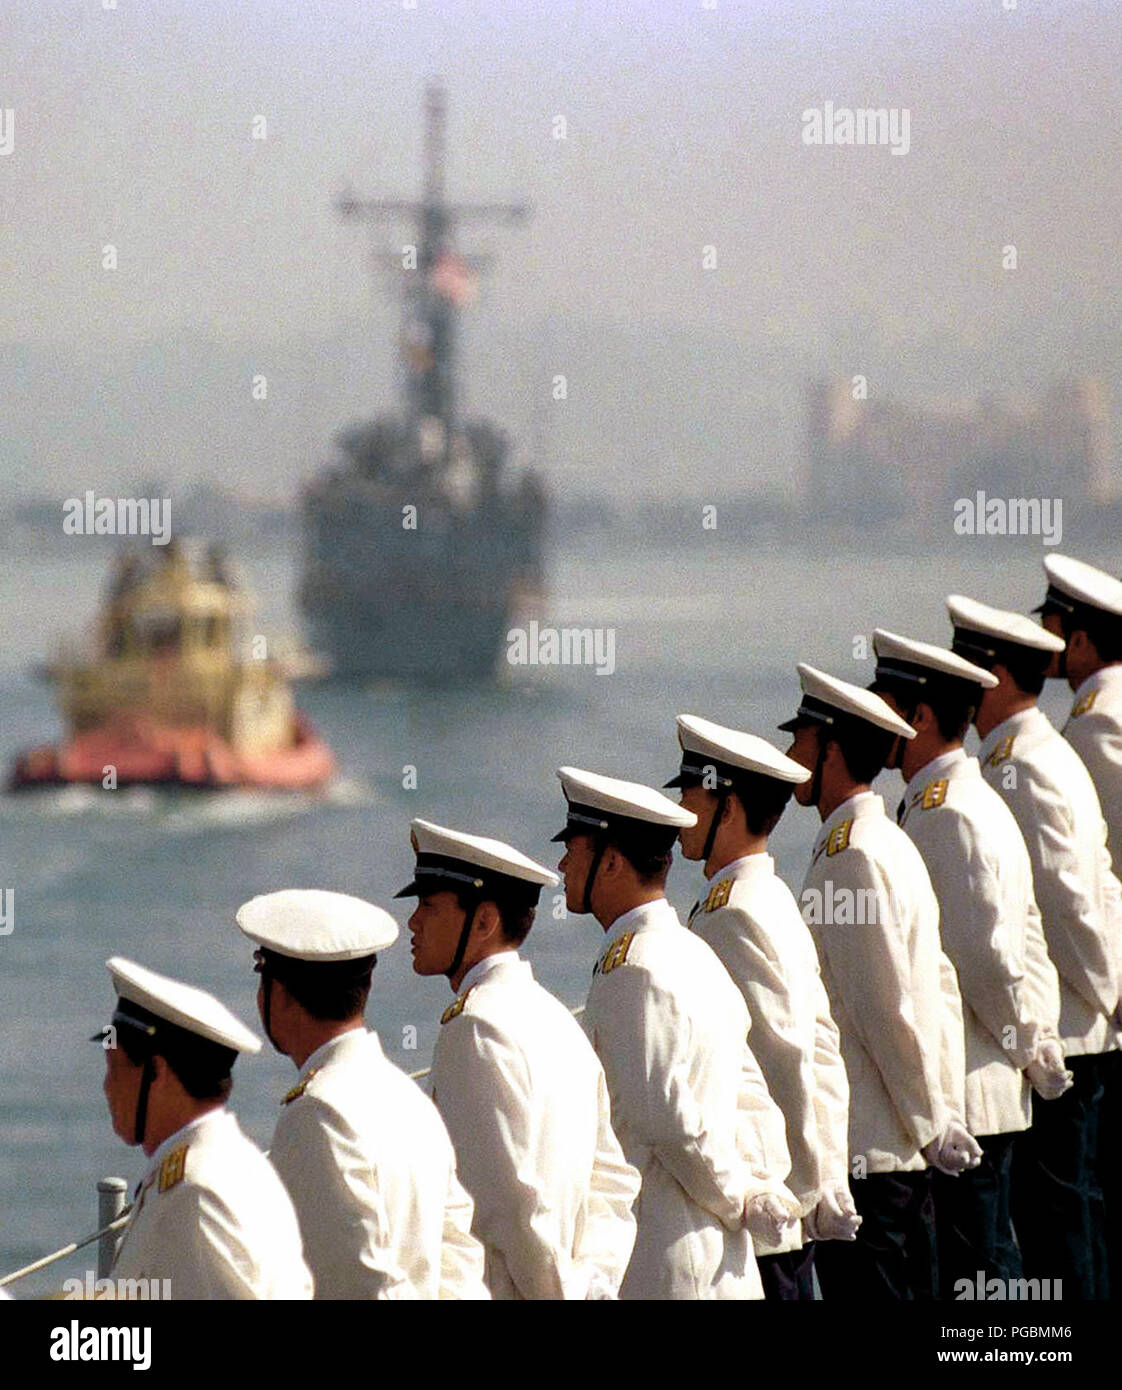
(417,545)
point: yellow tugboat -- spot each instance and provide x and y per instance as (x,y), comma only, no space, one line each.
(164,699)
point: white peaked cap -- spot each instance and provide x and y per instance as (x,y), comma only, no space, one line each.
(619,800)
(1087,585)
(475,854)
(184,1005)
(314,925)
(892,649)
(1000,624)
(735,749)
(823,694)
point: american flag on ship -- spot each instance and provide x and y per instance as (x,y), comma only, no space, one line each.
(454,279)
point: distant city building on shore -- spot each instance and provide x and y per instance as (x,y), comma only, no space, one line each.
(881,456)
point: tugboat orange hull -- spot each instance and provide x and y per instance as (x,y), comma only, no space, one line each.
(145,754)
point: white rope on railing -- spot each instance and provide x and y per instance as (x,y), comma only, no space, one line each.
(114,1225)
(419,1075)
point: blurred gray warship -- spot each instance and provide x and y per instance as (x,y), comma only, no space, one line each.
(418,548)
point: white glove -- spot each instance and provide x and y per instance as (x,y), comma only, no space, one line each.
(835,1217)
(599,1291)
(768,1215)
(1049,1077)
(954,1151)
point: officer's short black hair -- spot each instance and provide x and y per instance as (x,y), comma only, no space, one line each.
(515,916)
(954,703)
(330,991)
(650,860)
(864,747)
(1026,667)
(202,1067)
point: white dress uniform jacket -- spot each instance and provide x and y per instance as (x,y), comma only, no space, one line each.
(872,912)
(982,877)
(1044,783)
(689,1104)
(1094,730)
(372,1174)
(526,1103)
(751,920)
(213,1218)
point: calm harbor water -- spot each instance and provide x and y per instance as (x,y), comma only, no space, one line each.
(715,630)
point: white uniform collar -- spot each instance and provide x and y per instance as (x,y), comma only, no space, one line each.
(1021,723)
(936,767)
(761,863)
(191,1131)
(329,1050)
(1108,677)
(501,960)
(859,804)
(654,914)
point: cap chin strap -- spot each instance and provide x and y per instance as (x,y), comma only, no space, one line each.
(718,812)
(598,854)
(461,945)
(140,1123)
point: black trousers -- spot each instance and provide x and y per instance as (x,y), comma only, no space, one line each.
(1058,1211)
(1110,1164)
(973,1219)
(893,1257)
(789,1277)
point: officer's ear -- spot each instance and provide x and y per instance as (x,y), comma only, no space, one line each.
(488,924)
(923,719)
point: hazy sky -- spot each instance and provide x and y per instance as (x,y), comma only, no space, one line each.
(132,127)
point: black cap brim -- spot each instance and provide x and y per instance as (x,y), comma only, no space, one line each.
(681,780)
(562,836)
(409,891)
(791,726)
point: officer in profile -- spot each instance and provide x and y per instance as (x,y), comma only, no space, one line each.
(738,786)
(1083,606)
(689,1102)
(360,1148)
(520,1088)
(868,900)
(990,928)
(210,1217)
(1058,1208)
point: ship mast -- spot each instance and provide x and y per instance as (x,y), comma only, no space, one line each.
(439,285)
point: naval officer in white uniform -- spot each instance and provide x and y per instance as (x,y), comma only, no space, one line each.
(689,1103)
(1058,1208)
(1083,605)
(990,927)
(738,786)
(520,1088)
(869,903)
(210,1217)
(359,1146)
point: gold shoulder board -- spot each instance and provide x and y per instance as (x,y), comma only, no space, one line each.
(838,838)
(616,953)
(300,1087)
(934,794)
(718,895)
(173,1168)
(455,1009)
(1001,752)
(1083,704)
